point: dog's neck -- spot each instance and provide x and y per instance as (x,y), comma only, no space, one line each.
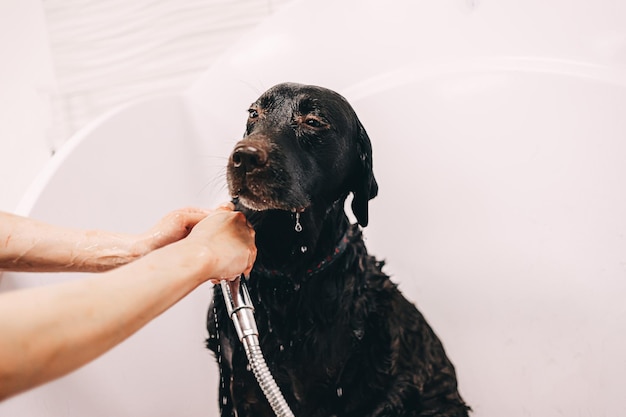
(291,242)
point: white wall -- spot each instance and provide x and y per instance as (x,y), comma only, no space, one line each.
(26,82)
(110,52)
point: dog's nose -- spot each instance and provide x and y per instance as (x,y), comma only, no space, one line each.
(249,157)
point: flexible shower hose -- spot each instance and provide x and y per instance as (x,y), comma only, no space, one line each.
(241,311)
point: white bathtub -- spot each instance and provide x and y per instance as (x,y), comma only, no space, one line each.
(499,135)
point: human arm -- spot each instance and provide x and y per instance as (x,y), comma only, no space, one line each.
(46,332)
(30,245)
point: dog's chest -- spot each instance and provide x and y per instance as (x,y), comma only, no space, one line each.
(308,368)
(302,323)
(306,344)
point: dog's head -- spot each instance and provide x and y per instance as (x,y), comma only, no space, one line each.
(303,145)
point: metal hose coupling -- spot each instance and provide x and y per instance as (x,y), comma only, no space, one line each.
(241,311)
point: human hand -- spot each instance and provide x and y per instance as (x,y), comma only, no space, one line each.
(225,243)
(171,228)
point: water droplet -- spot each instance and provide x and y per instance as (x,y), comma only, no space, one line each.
(281,347)
(359,333)
(224,400)
(248,367)
(298,226)
(339,392)
(303,249)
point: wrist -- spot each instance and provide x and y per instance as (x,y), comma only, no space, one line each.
(187,262)
(202,262)
(104,252)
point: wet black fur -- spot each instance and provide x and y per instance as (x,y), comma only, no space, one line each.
(343,341)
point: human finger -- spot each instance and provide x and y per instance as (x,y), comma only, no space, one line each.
(174,226)
(229,206)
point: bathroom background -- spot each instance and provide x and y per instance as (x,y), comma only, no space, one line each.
(67,62)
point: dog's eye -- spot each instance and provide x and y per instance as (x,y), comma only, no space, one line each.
(253,113)
(315,123)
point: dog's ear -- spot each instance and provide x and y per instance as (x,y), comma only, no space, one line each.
(364,185)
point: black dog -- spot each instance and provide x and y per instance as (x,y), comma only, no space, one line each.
(338,336)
